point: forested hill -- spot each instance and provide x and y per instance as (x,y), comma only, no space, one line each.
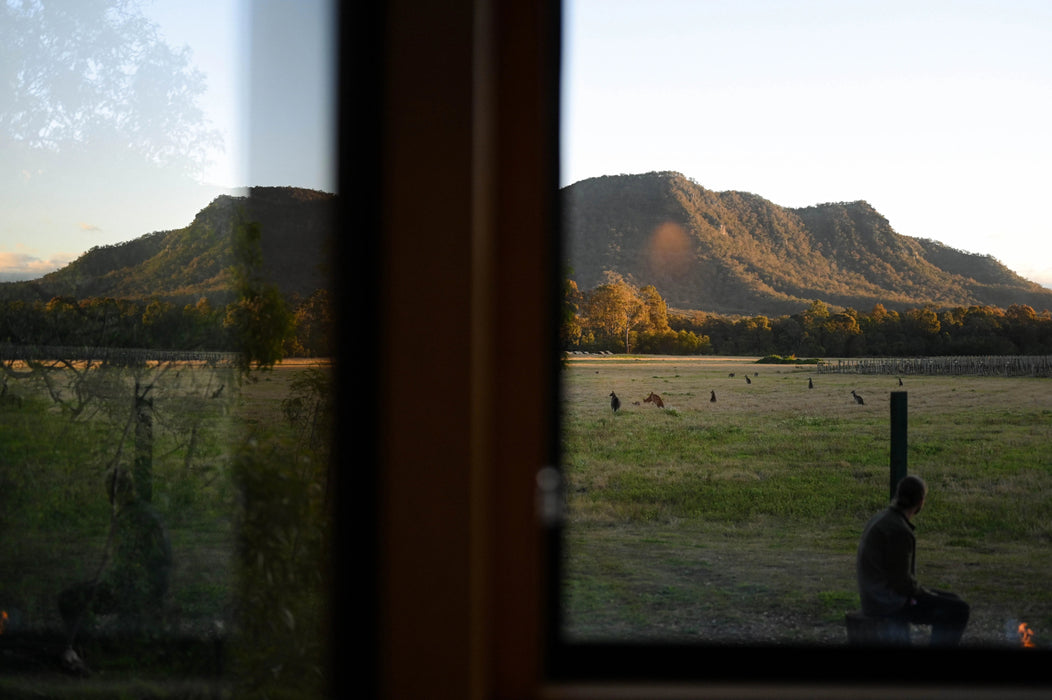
(193,262)
(738,253)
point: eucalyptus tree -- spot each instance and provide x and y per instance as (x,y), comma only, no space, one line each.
(96,78)
(614,309)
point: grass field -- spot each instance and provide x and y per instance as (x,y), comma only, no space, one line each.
(736,521)
(240,491)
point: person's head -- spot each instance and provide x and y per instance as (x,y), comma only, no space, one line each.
(910,494)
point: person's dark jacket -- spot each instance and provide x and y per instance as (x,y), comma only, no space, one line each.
(886,564)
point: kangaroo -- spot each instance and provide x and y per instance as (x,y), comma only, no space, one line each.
(654,399)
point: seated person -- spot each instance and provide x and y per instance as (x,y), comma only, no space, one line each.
(135,580)
(886,567)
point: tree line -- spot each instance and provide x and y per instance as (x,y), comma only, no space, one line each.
(618,316)
(302,325)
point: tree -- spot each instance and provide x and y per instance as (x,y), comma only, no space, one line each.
(159,320)
(982,331)
(924,320)
(1020,313)
(1024,328)
(842,332)
(655,310)
(96,74)
(570,323)
(814,322)
(201,323)
(92,93)
(754,335)
(614,309)
(313,321)
(260,319)
(260,322)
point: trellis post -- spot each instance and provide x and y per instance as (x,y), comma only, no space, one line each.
(143,465)
(898,438)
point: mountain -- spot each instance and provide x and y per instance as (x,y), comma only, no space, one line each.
(738,253)
(723,252)
(193,262)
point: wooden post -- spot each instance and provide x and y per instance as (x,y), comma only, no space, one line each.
(898,438)
(143,470)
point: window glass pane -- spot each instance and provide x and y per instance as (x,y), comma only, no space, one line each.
(717,498)
(168,208)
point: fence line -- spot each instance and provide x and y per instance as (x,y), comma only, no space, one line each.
(983,365)
(15,353)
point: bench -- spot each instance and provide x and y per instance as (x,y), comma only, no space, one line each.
(863,630)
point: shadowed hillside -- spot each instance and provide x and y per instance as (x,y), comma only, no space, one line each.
(738,253)
(193,262)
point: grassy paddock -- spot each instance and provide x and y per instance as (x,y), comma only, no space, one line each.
(232,480)
(737,520)
(53,464)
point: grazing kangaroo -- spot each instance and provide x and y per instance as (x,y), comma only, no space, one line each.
(858,399)
(654,399)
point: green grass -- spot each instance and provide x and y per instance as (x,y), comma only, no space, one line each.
(738,520)
(54,500)
(239,491)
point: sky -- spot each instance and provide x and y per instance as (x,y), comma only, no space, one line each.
(271,85)
(936,112)
(269,75)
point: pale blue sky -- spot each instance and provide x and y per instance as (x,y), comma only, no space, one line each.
(270,90)
(216,32)
(269,70)
(936,112)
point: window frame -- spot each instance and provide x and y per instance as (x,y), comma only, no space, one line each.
(466,576)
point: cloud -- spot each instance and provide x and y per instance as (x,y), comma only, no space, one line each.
(88,227)
(24,266)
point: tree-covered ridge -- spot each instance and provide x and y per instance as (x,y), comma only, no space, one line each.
(183,265)
(738,253)
(190,289)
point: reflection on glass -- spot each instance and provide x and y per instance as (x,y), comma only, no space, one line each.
(165,319)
